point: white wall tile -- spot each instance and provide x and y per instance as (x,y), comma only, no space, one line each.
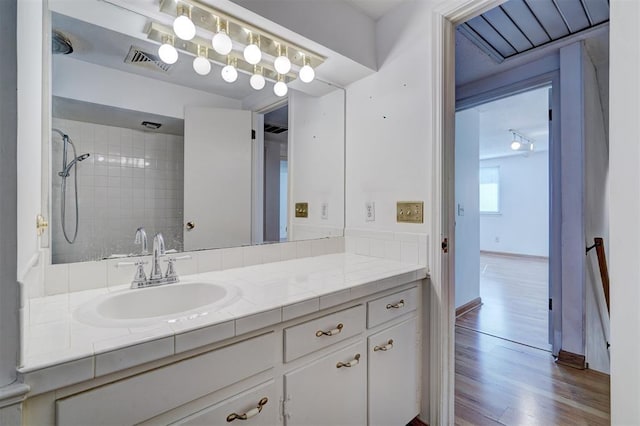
(363,246)
(258,321)
(423,250)
(87,275)
(56,280)
(60,375)
(121,359)
(271,253)
(303,249)
(232,257)
(204,336)
(251,255)
(319,247)
(409,252)
(288,250)
(378,248)
(392,250)
(209,260)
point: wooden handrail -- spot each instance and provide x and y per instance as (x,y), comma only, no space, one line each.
(598,244)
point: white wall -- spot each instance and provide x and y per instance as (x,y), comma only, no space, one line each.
(132,178)
(316,163)
(624,211)
(467,244)
(596,201)
(522,227)
(30,126)
(88,82)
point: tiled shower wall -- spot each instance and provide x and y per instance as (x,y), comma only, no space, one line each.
(132,178)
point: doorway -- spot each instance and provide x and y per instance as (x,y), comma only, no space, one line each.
(502,217)
(276,172)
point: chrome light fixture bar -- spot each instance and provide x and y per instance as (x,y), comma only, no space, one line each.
(521,142)
(242,34)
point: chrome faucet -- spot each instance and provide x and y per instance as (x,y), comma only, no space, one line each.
(141,238)
(158,251)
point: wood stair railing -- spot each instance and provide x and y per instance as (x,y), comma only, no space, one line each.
(598,244)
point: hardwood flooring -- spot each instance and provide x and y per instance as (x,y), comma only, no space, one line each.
(501,382)
(498,382)
(515,299)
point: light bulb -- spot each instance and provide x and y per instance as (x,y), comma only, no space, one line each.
(201,65)
(252,54)
(282,64)
(221,42)
(280,88)
(229,74)
(168,53)
(184,28)
(515,145)
(307,74)
(257,81)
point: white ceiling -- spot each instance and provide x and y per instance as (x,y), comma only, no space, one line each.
(375,9)
(525,112)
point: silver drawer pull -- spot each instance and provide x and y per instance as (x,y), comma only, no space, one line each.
(386,347)
(398,305)
(333,332)
(251,413)
(354,361)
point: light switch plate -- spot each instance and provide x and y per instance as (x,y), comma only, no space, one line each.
(302,209)
(370,211)
(410,211)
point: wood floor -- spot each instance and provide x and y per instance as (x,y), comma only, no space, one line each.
(514,292)
(498,382)
(501,382)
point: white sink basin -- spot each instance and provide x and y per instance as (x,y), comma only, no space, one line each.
(166,303)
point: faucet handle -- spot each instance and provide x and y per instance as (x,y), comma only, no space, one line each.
(171,269)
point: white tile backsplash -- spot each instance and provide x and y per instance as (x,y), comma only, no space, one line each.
(87,275)
(405,247)
(56,279)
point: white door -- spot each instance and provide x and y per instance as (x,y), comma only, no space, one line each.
(217,178)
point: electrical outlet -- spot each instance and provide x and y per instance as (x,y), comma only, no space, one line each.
(324,211)
(370,211)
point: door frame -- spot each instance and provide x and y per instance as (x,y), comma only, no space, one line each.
(552,79)
(444,17)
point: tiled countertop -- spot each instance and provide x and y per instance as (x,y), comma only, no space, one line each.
(58,344)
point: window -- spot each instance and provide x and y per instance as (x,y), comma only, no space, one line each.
(489,190)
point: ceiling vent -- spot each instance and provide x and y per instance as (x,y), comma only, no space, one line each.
(271,128)
(139,57)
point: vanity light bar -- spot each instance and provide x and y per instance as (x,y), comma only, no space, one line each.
(158,32)
(206,17)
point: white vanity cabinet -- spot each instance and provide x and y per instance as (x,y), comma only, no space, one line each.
(393,359)
(356,363)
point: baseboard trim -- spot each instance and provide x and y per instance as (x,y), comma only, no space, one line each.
(572,360)
(469,306)
(514,255)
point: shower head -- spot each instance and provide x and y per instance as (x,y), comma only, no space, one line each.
(60,132)
(65,172)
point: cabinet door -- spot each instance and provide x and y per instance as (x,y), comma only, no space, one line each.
(321,393)
(255,407)
(393,375)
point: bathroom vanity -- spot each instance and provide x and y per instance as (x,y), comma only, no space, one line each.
(332,339)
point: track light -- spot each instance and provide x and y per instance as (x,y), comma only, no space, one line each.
(167,52)
(221,41)
(229,72)
(182,25)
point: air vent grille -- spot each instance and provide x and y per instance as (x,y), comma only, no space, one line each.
(271,128)
(139,57)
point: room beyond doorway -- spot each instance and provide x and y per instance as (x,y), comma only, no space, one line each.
(502,217)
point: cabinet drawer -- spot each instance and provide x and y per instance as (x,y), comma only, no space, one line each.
(146,395)
(244,403)
(316,334)
(391,306)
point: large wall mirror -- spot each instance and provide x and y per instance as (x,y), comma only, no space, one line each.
(136,142)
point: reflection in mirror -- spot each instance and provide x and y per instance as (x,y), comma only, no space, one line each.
(140,143)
